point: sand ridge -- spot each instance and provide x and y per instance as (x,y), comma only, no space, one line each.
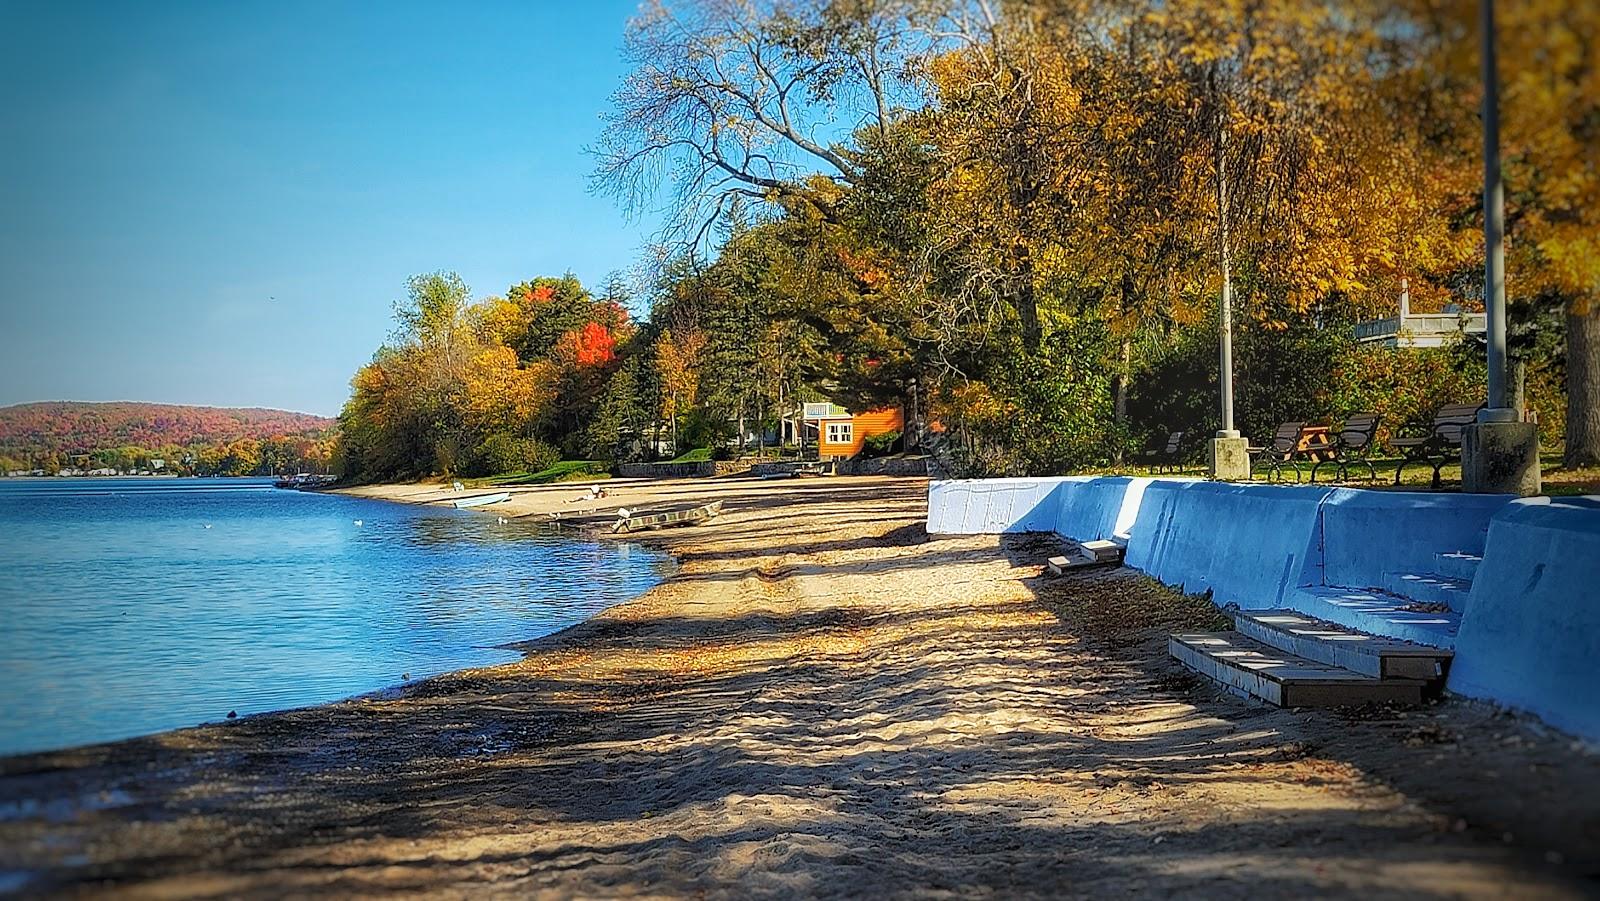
(822,701)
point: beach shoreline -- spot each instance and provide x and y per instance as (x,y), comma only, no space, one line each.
(820,700)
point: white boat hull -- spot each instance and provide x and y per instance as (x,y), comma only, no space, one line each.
(482,500)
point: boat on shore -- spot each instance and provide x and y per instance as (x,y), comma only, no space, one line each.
(639,522)
(481,500)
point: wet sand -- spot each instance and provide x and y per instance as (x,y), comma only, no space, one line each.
(822,702)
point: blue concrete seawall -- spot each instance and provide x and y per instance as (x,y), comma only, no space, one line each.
(1530,636)
(1367,534)
(1527,636)
(1248,544)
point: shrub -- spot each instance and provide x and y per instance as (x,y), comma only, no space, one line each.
(501,452)
(1405,387)
(879,445)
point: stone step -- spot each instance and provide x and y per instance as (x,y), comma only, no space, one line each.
(1460,565)
(1429,588)
(1246,666)
(1315,639)
(1376,613)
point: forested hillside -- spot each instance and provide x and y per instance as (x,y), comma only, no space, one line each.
(124,436)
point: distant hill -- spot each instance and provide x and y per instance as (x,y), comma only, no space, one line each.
(74,427)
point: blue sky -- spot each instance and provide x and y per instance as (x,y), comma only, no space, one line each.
(217,203)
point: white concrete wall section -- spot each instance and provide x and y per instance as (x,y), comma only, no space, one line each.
(1367,534)
(1530,636)
(1079,507)
(985,506)
(1250,545)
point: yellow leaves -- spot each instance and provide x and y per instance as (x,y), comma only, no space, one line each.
(500,392)
(678,366)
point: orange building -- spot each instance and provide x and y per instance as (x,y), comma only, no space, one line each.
(841,433)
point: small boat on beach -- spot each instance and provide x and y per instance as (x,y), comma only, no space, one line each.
(675,518)
(481,500)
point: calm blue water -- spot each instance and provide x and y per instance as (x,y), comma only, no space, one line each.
(132,606)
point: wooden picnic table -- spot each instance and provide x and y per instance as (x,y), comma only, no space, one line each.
(1316,443)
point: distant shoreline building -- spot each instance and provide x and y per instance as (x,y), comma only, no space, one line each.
(840,433)
(1420,329)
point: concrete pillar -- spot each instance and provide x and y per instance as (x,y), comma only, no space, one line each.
(1230,459)
(1500,458)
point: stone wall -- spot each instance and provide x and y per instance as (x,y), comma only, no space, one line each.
(702,469)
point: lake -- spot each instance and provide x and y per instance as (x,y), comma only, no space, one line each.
(130,606)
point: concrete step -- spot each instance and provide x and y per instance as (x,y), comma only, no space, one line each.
(1246,666)
(1460,565)
(1377,614)
(1314,639)
(1429,588)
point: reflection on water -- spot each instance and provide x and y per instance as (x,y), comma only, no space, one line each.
(131,606)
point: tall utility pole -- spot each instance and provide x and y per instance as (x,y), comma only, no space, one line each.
(1499,452)
(1228,431)
(1229,453)
(1494,223)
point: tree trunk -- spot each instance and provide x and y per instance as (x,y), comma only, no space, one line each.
(1519,387)
(1120,389)
(1028,304)
(1583,388)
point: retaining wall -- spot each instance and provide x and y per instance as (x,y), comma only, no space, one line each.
(1098,508)
(1367,534)
(1530,636)
(667,470)
(983,506)
(1248,544)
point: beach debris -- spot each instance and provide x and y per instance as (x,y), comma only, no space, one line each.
(233,714)
(456,486)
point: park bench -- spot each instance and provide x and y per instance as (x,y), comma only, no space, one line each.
(1353,444)
(1165,458)
(1282,451)
(1442,443)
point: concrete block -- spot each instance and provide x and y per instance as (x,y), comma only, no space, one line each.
(1098,508)
(1377,614)
(1230,459)
(1530,637)
(1367,534)
(987,506)
(1500,458)
(1428,588)
(1249,544)
(1458,565)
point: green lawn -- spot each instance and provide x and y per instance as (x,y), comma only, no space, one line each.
(565,471)
(698,455)
(1558,481)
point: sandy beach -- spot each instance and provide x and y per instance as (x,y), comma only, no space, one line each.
(822,701)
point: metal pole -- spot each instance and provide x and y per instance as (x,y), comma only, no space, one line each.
(1228,431)
(1494,220)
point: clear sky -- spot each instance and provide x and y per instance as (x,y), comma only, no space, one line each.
(217,203)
